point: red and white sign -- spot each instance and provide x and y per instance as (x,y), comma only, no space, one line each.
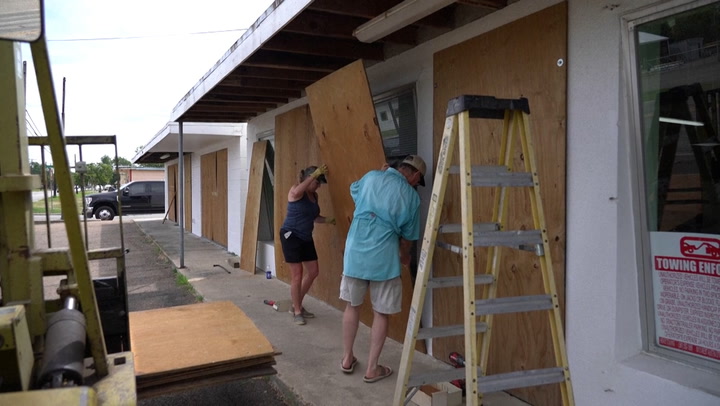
(686,281)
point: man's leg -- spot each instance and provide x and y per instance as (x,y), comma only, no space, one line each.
(351,320)
(378,333)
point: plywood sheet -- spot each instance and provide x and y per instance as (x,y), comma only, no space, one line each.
(516,60)
(347,133)
(207,188)
(295,149)
(187,191)
(252,207)
(220,219)
(172,192)
(349,142)
(183,338)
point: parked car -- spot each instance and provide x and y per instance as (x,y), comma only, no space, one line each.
(145,196)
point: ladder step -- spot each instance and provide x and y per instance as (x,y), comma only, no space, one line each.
(514,304)
(436,376)
(493,383)
(528,240)
(448,331)
(513,239)
(496,175)
(453,281)
(520,379)
(477,227)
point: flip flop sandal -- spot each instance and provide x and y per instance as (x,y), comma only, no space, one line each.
(352,366)
(387,372)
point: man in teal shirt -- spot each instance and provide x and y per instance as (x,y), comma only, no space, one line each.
(385,222)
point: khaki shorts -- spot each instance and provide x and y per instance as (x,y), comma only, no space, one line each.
(386,296)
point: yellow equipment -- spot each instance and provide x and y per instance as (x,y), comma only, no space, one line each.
(43,342)
(494,235)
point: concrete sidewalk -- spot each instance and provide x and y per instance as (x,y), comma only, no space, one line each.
(309,363)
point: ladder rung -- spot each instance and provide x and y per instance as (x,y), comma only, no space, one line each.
(451,281)
(503,179)
(520,379)
(449,247)
(493,383)
(514,304)
(513,239)
(448,331)
(426,378)
(496,175)
(477,227)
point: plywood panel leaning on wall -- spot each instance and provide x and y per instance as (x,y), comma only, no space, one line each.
(343,115)
(252,207)
(296,149)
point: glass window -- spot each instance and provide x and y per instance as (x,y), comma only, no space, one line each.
(157,188)
(137,188)
(398,123)
(678,75)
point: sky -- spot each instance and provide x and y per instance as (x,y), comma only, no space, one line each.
(128,86)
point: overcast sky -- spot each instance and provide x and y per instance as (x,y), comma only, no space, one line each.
(128,87)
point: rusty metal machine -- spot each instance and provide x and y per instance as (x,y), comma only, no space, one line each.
(44,343)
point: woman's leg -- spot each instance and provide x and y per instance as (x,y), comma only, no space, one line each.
(312,269)
(296,282)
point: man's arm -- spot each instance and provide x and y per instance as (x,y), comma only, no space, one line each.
(405,246)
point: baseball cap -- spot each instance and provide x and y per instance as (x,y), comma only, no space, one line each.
(309,170)
(416,162)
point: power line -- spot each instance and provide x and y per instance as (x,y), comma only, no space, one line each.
(143,36)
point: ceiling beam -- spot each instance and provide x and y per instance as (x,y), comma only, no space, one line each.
(266,83)
(276,59)
(318,45)
(253,91)
(339,26)
(273,73)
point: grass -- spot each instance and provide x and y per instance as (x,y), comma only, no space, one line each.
(54,204)
(182,281)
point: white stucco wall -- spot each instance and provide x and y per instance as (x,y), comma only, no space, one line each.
(604,338)
(237,188)
(603,316)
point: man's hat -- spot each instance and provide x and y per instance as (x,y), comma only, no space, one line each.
(416,162)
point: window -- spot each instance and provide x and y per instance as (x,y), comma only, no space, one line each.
(677,71)
(137,188)
(397,122)
(157,187)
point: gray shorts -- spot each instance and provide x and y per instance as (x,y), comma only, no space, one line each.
(386,296)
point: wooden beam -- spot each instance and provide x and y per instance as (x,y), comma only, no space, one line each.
(213,98)
(275,59)
(225,109)
(273,73)
(366,9)
(253,91)
(320,45)
(339,26)
(238,81)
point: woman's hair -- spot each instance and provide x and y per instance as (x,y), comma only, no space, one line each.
(307,172)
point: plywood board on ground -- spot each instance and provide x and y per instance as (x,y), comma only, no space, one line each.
(194,336)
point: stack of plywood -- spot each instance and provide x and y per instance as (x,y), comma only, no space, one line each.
(183,347)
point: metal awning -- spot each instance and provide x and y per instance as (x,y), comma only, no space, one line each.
(163,147)
(297,42)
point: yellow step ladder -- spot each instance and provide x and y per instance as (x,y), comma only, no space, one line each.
(514,113)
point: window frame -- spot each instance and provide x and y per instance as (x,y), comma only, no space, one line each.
(644,265)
